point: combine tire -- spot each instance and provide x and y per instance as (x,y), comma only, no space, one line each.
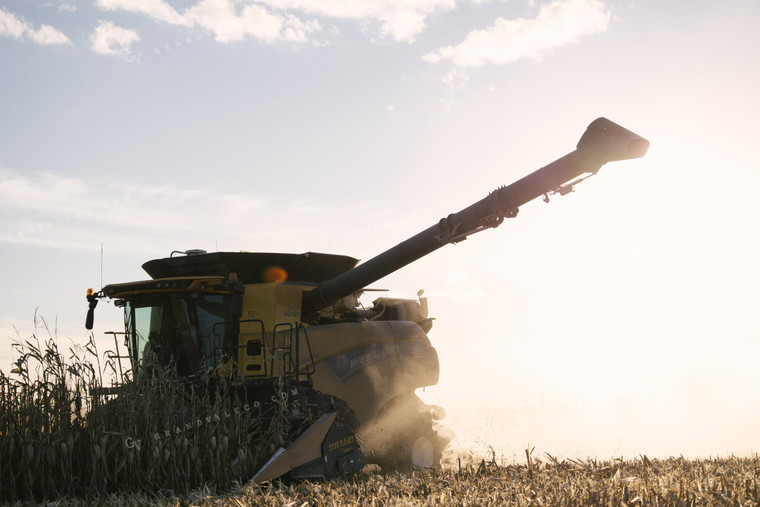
(424,447)
(419,449)
(402,436)
(423,453)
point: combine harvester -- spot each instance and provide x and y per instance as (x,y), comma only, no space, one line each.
(290,326)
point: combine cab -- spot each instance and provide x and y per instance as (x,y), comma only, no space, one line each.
(291,324)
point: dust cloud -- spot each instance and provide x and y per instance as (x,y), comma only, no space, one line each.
(492,418)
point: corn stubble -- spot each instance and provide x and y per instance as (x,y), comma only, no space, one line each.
(163,441)
(638,482)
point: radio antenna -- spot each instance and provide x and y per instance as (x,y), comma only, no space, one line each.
(101,264)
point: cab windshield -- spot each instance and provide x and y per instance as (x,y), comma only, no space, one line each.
(185,330)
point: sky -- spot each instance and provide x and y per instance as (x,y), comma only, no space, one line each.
(621,319)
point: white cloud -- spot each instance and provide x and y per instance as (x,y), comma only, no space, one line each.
(62,7)
(43,192)
(222,18)
(296,30)
(401,20)
(73,213)
(226,19)
(50,210)
(283,20)
(109,39)
(48,36)
(557,24)
(13,27)
(156,9)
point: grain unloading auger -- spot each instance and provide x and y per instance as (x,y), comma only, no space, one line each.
(288,328)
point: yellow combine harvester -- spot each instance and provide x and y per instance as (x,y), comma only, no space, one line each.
(287,328)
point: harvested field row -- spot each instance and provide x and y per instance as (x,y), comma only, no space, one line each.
(670,482)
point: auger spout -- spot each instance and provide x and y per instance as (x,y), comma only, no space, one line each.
(604,141)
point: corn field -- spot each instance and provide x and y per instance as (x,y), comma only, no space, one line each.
(153,438)
(64,434)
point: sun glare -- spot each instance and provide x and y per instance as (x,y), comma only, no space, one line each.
(638,298)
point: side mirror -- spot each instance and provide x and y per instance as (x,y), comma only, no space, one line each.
(92,298)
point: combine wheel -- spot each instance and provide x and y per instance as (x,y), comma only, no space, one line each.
(419,447)
(424,447)
(423,454)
